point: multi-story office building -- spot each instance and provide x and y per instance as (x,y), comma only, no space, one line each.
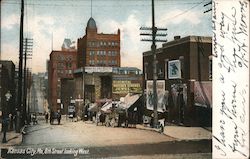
(98,49)
(61,67)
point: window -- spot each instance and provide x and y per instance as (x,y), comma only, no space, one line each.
(69,65)
(89,43)
(109,53)
(104,53)
(91,62)
(90,53)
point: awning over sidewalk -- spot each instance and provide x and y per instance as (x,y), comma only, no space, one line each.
(106,106)
(128,101)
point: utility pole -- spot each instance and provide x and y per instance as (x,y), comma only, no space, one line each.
(210,9)
(20,73)
(153,49)
(28,94)
(27,52)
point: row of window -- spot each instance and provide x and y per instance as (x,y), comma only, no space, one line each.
(103,53)
(103,43)
(62,65)
(64,71)
(64,58)
(103,62)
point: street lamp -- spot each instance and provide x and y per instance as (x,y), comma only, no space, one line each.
(5,118)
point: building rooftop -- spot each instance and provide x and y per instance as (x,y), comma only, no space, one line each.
(178,40)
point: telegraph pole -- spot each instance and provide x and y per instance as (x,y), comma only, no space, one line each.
(153,49)
(20,73)
(27,52)
(210,9)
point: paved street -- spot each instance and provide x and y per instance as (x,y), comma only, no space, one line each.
(91,141)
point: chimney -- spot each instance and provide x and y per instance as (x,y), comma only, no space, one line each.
(177,37)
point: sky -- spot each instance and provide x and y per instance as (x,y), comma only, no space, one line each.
(46,21)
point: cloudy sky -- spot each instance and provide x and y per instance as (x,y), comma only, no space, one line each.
(68,19)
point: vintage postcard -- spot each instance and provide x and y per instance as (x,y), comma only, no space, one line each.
(124,79)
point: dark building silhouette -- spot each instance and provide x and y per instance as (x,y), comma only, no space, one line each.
(7,86)
(184,65)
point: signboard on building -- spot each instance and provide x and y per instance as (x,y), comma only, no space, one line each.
(98,69)
(124,86)
(174,69)
(162,95)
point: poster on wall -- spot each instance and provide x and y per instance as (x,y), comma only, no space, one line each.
(162,95)
(175,91)
(174,69)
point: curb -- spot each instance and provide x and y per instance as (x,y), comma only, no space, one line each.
(149,129)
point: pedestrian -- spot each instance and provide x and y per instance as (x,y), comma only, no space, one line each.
(51,117)
(11,121)
(46,117)
(5,127)
(58,117)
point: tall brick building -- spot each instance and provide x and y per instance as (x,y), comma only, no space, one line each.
(98,49)
(61,67)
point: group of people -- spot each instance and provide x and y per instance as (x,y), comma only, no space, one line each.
(52,116)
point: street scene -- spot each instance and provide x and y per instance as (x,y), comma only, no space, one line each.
(101,141)
(81,79)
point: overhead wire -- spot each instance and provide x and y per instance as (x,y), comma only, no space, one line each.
(185,11)
(102,5)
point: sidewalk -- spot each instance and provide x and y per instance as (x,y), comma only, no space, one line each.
(12,138)
(182,132)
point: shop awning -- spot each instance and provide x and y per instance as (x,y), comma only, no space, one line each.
(93,107)
(107,106)
(129,100)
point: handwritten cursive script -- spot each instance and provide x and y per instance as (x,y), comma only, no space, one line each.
(230,25)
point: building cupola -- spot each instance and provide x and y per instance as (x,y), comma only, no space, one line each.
(91,24)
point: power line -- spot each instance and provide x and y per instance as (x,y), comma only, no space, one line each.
(210,9)
(97,5)
(184,12)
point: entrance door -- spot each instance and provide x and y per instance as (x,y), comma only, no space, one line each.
(90,93)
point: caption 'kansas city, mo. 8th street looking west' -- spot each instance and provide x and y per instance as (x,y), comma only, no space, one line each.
(106,79)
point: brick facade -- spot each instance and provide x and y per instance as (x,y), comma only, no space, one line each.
(61,66)
(98,49)
(194,55)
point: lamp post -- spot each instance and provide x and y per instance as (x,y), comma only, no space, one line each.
(5,117)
